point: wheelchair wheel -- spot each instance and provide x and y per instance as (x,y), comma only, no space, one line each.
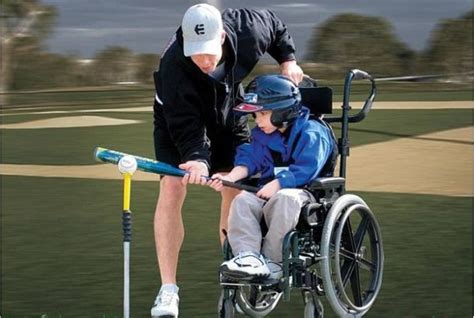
(225,307)
(256,302)
(313,307)
(352,267)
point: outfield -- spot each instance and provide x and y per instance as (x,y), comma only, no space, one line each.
(61,236)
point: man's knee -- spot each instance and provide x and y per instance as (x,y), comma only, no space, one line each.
(228,194)
(172,195)
(171,187)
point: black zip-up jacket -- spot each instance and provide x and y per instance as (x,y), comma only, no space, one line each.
(197,107)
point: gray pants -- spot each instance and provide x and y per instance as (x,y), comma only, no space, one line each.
(281,215)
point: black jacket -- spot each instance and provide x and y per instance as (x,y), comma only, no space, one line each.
(196,107)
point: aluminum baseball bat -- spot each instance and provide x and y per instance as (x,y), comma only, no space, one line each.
(158,167)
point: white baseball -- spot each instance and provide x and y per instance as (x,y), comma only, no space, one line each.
(127,164)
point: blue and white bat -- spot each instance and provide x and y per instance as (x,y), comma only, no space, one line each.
(158,167)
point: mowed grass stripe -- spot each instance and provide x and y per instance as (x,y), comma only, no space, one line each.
(65,146)
(115,97)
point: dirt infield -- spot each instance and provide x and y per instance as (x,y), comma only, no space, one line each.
(439,163)
(70,121)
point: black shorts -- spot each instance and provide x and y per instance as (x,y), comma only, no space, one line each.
(223,145)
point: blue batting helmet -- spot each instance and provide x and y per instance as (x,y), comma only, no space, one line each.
(272,92)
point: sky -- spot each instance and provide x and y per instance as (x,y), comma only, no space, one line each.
(85,27)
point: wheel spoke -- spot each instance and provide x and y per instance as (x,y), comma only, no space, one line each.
(347,270)
(355,286)
(360,233)
(367,265)
(347,237)
(347,254)
(350,269)
(348,242)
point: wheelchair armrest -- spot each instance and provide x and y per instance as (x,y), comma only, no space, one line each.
(310,216)
(327,183)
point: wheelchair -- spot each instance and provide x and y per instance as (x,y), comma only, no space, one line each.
(335,250)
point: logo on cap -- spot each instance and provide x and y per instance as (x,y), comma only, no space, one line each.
(199,29)
(251,98)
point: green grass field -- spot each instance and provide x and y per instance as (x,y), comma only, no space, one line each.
(61,251)
(61,239)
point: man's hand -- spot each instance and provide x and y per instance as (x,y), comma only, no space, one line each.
(269,189)
(197,172)
(292,70)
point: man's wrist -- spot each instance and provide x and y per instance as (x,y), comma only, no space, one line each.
(288,61)
(204,163)
(286,64)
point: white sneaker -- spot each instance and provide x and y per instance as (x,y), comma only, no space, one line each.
(166,305)
(246,266)
(276,270)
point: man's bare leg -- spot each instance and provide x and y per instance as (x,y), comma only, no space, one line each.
(168,225)
(227,195)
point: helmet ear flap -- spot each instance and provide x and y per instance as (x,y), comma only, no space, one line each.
(277,119)
(281,118)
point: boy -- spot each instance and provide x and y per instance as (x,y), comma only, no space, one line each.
(289,151)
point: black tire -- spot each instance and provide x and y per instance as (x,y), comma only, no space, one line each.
(352,266)
(255,302)
(313,307)
(225,307)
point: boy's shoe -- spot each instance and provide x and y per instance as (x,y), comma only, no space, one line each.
(276,270)
(166,305)
(246,266)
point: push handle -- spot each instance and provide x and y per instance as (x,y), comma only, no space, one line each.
(355,74)
(359,74)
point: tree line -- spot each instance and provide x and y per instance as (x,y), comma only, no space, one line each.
(343,42)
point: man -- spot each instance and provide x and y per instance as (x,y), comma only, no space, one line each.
(197,86)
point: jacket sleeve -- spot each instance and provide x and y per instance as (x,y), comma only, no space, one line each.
(183,119)
(280,44)
(250,155)
(260,31)
(310,155)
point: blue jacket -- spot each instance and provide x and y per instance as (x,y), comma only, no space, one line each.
(311,150)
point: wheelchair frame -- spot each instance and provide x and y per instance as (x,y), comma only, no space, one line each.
(324,236)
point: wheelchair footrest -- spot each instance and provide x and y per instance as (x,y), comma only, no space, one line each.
(265,284)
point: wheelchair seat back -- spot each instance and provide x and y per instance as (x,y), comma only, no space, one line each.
(317,99)
(326,189)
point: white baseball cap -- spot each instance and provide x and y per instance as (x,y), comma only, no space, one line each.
(202,29)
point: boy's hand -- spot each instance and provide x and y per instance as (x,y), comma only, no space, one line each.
(197,172)
(269,189)
(216,181)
